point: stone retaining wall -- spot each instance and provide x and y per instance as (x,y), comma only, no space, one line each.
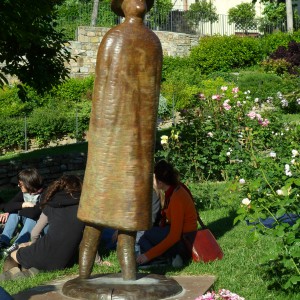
(88,39)
(84,49)
(50,167)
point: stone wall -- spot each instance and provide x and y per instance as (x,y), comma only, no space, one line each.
(50,167)
(84,49)
(88,39)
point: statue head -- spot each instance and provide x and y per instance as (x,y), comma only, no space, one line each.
(116,6)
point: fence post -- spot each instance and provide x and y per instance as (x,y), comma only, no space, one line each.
(76,125)
(25,133)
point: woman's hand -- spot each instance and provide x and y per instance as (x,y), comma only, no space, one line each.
(142,259)
(25,244)
(27,204)
(3,217)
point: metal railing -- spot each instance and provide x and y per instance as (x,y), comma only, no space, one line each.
(176,20)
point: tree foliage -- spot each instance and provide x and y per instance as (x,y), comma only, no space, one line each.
(274,12)
(242,15)
(202,11)
(159,13)
(30,46)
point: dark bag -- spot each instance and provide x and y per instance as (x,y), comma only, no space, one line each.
(201,245)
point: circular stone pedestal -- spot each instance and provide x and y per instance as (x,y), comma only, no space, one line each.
(112,286)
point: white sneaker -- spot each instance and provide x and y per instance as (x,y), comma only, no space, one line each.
(177,261)
(11,249)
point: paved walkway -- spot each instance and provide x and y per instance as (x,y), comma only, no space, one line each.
(193,286)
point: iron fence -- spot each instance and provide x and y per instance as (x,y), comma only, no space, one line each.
(176,20)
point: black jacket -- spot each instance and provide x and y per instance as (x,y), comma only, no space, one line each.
(15,206)
(57,249)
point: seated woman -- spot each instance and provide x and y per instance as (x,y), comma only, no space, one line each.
(22,209)
(179,216)
(58,248)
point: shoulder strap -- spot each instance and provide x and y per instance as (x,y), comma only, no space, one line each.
(203,226)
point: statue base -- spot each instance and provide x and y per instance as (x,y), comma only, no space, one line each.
(112,286)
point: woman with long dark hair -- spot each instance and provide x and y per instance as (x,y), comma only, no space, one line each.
(179,216)
(23,209)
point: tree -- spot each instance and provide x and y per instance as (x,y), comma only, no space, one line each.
(30,46)
(289,10)
(243,15)
(201,11)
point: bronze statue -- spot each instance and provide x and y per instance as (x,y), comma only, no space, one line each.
(117,185)
(118,180)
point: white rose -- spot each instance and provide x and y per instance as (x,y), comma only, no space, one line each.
(295,153)
(164,139)
(279,192)
(246,201)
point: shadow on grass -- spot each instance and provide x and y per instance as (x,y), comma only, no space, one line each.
(223,225)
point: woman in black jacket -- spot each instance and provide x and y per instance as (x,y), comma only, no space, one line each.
(23,209)
(56,249)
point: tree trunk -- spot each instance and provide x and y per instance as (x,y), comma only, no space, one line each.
(94,13)
(289,15)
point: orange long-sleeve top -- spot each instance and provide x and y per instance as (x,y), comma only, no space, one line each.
(182,216)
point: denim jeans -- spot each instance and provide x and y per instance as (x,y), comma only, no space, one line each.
(154,236)
(11,226)
(4,295)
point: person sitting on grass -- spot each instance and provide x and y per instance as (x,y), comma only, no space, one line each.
(179,217)
(23,209)
(58,248)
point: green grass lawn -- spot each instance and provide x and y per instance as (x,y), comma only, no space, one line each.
(239,270)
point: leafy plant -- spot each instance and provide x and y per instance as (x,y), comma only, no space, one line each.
(224,53)
(276,66)
(31,46)
(243,15)
(159,13)
(209,141)
(274,194)
(201,12)
(291,54)
(271,42)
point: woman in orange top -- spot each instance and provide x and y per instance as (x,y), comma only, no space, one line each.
(178,216)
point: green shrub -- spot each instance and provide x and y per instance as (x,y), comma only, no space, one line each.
(271,42)
(290,54)
(276,66)
(10,103)
(224,53)
(171,64)
(180,83)
(45,124)
(74,90)
(69,93)
(11,134)
(226,76)
(261,85)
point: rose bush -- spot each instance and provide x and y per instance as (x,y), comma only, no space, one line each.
(272,208)
(213,136)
